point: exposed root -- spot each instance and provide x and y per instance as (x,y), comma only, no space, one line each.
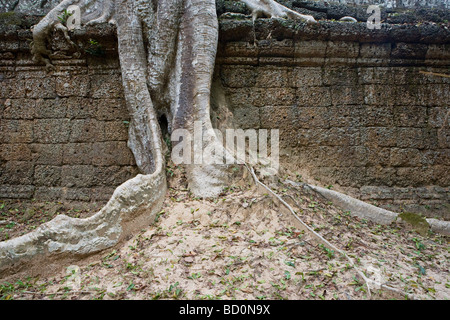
(326,243)
(348,19)
(133,204)
(272,9)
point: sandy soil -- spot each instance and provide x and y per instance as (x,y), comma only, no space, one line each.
(243,246)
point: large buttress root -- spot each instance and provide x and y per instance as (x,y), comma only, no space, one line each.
(179,67)
(133,205)
(196,60)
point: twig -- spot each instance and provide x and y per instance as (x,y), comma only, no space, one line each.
(315,234)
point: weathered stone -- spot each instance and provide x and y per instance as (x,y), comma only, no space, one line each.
(16,131)
(46,175)
(76,86)
(17,172)
(50,154)
(273,77)
(307,77)
(50,109)
(106,86)
(77,176)
(238,76)
(87,130)
(40,87)
(19,109)
(77,153)
(15,152)
(247,118)
(51,130)
(314,96)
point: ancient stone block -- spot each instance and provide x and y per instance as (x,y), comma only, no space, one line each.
(247,117)
(113,175)
(313,117)
(77,153)
(347,116)
(82,108)
(376,75)
(375,50)
(40,87)
(378,116)
(75,85)
(405,157)
(409,50)
(312,137)
(314,96)
(101,193)
(379,95)
(12,89)
(49,193)
(340,76)
(16,191)
(343,137)
(112,153)
(306,77)
(342,49)
(347,95)
(272,77)
(51,130)
(238,76)
(410,138)
(273,96)
(311,48)
(111,109)
(410,116)
(50,108)
(77,194)
(50,154)
(274,48)
(17,172)
(86,130)
(19,109)
(114,131)
(16,131)
(106,86)
(378,156)
(273,116)
(46,175)
(77,176)
(380,176)
(382,137)
(15,152)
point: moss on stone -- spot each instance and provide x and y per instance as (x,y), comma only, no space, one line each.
(10,18)
(418,223)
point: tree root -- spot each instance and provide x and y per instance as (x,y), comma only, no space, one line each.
(367,211)
(272,9)
(326,243)
(134,204)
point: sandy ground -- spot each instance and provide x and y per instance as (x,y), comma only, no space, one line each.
(243,246)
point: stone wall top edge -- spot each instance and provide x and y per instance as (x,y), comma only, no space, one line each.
(279,29)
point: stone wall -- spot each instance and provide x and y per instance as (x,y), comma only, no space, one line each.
(354,108)
(354,112)
(62,135)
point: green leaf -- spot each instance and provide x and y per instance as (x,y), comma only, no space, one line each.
(287,275)
(290,264)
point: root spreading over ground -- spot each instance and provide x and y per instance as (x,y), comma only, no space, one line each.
(243,245)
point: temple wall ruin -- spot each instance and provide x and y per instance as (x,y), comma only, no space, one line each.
(365,113)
